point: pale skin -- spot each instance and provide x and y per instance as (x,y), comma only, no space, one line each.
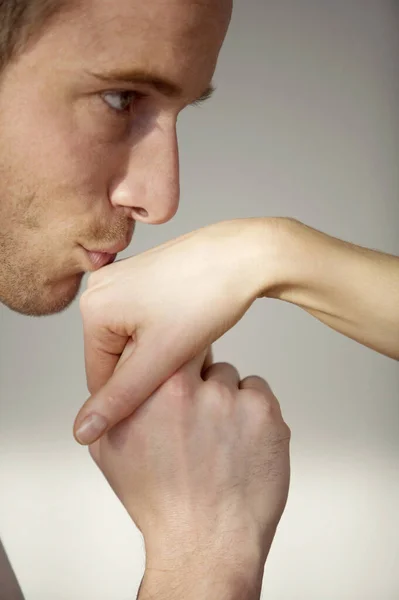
(193,289)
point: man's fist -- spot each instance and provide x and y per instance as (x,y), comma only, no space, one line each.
(202,467)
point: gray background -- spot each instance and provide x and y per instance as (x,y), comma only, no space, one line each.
(305,123)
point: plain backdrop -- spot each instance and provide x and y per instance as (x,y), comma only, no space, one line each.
(305,123)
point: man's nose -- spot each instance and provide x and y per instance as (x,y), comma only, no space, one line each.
(149,188)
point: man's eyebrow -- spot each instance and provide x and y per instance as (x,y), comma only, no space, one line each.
(162,85)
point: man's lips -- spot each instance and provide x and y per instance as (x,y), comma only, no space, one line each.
(100,259)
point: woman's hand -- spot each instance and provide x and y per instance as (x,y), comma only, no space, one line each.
(172,302)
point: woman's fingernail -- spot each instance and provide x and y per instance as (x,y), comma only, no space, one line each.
(91,429)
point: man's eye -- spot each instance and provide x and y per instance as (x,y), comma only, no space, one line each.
(120,102)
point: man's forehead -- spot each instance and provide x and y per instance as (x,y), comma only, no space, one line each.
(146,18)
(175,43)
(165,37)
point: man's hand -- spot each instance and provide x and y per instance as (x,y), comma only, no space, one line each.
(172,302)
(203,470)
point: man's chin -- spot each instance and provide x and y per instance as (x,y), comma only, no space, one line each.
(46,300)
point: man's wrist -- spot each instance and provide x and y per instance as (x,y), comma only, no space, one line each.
(196,567)
(201,579)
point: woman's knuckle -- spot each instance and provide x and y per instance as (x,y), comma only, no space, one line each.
(88,303)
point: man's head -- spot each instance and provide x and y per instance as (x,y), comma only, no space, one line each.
(90,91)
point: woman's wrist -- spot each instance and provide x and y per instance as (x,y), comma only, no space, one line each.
(272,248)
(352,289)
(260,261)
(299,263)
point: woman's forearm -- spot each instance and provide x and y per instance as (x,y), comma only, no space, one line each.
(349,288)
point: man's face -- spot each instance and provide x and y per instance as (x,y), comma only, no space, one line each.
(88,137)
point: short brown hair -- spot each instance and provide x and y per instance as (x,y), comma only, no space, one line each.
(21,21)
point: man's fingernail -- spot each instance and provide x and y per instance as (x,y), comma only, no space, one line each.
(91,429)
